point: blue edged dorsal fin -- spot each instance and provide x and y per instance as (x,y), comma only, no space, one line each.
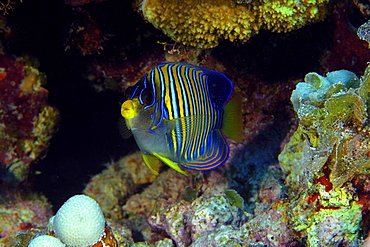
(232,124)
(216,155)
(170,163)
(220,88)
(151,162)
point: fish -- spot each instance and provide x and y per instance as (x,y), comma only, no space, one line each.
(180,113)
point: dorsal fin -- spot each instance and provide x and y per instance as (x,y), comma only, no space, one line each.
(220,88)
(233,119)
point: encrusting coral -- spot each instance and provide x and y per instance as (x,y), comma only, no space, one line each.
(204,23)
(21,213)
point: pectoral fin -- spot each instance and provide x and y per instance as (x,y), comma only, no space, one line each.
(123,129)
(151,162)
(170,163)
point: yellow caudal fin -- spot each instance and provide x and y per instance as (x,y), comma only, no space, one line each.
(151,162)
(233,119)
(170,163)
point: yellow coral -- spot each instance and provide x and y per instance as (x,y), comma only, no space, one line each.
(31,81)
(286,15)
(45,125)
(203,23)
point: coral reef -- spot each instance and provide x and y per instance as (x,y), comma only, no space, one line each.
(329,148)
(286,15)
(332,131)
(118,200)
(323,197)
(222,207)
(205,23)
(335,213)
(27,122)
(186,222)
(117,183)
(202,209)
(21,213)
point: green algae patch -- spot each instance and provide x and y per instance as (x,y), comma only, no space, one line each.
(235,199)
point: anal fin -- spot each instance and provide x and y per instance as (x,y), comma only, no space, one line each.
(217,154)
(170,163)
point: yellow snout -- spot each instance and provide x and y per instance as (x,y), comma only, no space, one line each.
(129,109)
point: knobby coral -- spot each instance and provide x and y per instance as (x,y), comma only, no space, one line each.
(204,23)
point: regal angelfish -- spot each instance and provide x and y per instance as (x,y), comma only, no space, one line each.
(178,114)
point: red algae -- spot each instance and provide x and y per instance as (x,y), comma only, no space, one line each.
(27,121)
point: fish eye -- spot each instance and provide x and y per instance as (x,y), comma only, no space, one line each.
(147,96)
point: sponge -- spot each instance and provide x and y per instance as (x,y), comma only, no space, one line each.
(79,222)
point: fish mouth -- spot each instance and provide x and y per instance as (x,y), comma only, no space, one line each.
(129,109)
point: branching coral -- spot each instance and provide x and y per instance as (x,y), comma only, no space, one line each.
(204,23)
